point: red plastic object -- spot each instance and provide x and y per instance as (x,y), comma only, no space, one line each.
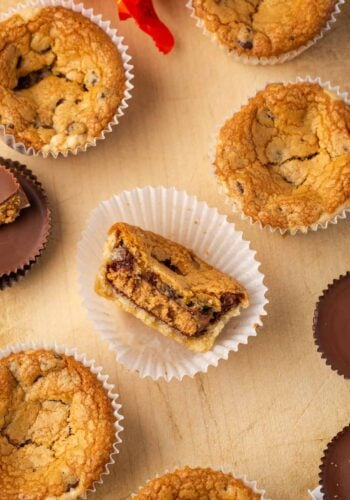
(147,19)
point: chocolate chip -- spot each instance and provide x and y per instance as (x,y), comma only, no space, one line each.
(248,45)
(167,263)
(228,300)
(240,187)
(150,277)
(60,101)
(206,310)
(27,81)
(77,101)
(91,78)
(71,485)
(19,62)
(122,259)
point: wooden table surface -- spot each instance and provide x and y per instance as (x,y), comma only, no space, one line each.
(267,412)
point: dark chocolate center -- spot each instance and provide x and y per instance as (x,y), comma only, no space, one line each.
(332,325)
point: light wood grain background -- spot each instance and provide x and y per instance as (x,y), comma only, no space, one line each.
(269,410)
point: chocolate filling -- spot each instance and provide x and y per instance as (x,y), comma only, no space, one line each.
(202,315)
(31,79)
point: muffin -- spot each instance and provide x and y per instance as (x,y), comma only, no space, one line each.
(61,79)
(168,287)
(188,483)
(284,158)
(12,197)
(264,28)
(57,426)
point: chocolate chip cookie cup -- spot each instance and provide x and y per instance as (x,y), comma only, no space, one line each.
(183,219)
(24,240)
(62,422)
(67,78)
(199,482)
(282,160)
(335,466)
(331,325)
(256,35)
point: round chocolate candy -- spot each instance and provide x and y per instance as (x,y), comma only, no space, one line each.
(332,325)
(23,240)
(335,467)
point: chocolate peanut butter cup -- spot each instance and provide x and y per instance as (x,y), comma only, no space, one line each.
(23,240)
(332,325)
(12,197)
(335,467)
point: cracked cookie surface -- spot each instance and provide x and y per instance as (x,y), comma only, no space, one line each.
(56,427)
(264,28)
(61,78)
(194,484)
(284,158)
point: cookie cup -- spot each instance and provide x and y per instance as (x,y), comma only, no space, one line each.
(22,232)
(182,218)
(267,61)
(333,218)
(103,378)
(225,469)
(11,141)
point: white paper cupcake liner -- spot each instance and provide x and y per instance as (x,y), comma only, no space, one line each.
(182,218)
(342,211)
(225,469)
(11,141)
(316,494)
(265,61)
(97,371)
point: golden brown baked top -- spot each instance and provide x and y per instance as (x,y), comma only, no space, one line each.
(264,28)
(196,484)
(56,426)
(284,158)
(61,78)
(175,264)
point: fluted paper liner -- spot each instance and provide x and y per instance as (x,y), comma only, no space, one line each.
(13,275)
(182,218)
(342,211)
(225,469)
(316,494)
(266,61)
(324,355)
(98,372)
(11,140)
